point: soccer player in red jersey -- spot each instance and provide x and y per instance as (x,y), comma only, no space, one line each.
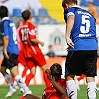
(57,89)
(30,47)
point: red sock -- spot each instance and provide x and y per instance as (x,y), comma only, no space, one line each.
(28,78)
(47,82)
(24,71)
(22,97)
(13,80)
(66,98)
(81,77)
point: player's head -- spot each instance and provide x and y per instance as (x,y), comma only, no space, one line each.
(90,4)
(26,15)
(3,11)
(66,3)
(56,71)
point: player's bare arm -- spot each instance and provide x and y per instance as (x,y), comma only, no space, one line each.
(1,42)
(5,40)
(69,25)
(58,87)
(36,41)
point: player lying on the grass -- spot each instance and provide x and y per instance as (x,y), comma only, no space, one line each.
(57,89)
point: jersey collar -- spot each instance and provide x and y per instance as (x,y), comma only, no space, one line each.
(5,18)
(76,6)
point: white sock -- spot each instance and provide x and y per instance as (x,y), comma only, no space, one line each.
(71,89)
(21,83)
(9,81)
(91,90)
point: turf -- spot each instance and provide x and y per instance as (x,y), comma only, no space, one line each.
(38,89)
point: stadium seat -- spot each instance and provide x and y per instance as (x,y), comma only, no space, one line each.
(16,12)
(52,21)
(84,2)
(33,13)
(96,2)
(43,12)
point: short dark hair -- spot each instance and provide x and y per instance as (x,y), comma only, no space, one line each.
(3,11)
(90,2)
(50,46)
(57,71)
(68,2)
(26,15)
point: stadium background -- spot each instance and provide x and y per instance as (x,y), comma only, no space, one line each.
(50,26)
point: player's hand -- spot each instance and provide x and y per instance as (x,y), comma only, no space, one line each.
(6,54)
(69,42)
(42,44)
(30,7)
(48,72)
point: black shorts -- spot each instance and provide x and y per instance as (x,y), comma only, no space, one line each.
(81,62)
(11,62)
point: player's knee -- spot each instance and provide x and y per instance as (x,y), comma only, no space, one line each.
(69,76)
(3,71)
(44,67)
(33,70)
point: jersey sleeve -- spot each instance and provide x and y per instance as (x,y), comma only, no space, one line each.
(68,12)
(6,28)
(32,33)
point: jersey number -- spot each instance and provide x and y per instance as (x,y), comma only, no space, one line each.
(85,24)
(14,34)
(24,33)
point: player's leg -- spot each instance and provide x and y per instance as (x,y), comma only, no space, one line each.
(90,72)
(22,60)
(80,77)
(71,86)
(24,71)
(31,66)
(12,62)
(19,80)
(47,82)
(77,79)
(7,77)
(41,62)
(77,83)
(73,66)
(28,64)
(91,88)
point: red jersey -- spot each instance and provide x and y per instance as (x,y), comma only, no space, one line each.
(27,32)
(51,93)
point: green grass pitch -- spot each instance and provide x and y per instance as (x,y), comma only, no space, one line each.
(38,89)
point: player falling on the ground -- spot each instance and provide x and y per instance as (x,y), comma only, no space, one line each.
(57,89)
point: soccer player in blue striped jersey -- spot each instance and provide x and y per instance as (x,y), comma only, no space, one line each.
(10,51)
(82,48)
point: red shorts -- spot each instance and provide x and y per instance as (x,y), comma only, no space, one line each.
(21,59)
(36,60)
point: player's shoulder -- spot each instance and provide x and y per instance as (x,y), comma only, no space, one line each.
(31,25)
(73,9)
